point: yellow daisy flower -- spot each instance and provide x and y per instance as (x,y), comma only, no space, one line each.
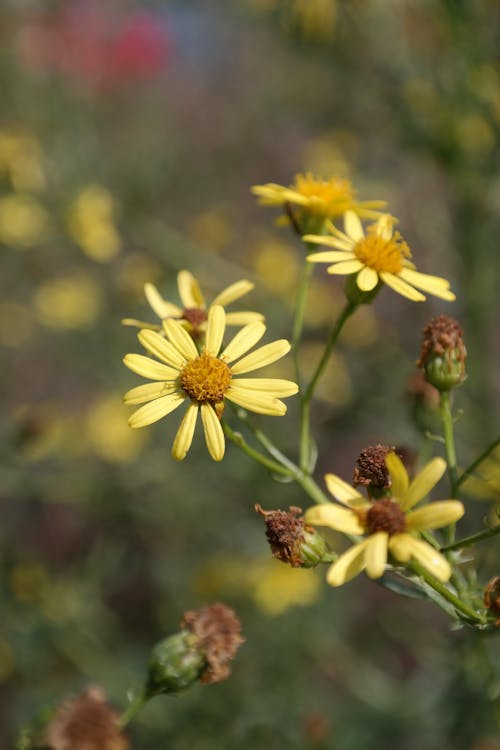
(379,256)
(205,379)
(193,313)
(317,198)
(390,524)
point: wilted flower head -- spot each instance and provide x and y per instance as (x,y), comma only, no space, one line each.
(292,540)
(443,353)
(492,598)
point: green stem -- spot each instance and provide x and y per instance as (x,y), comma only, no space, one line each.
(473,466)
(449,446)
(132,709)
(468,540)
(305,410)
(445,592)
(298,318)
(239,440)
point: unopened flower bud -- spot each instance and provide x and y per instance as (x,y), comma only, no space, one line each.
(201,651)
(292,540)
(492,598)
(357,296)
(443,353)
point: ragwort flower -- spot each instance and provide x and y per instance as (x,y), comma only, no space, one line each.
(379,256)
(193,313)
(389,525)
(205,379)
(318,199)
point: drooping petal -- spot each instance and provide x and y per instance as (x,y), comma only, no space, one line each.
(435,515)
(343,491)
(348,565)
(367,279)
(184,437)
(159,305)
(155,410)
(353,226)
(261,357)
(161,348)
(273,386)
(345,267)
(407,546)
(435,285)
(149,368)
(376,554)
(398,475)
(423,483)
(216,325)
(401,287)
(189,290)
(260,403)
(233,292)
(243,318)
(214,435)
(243,341)
(181,339)
(141,324)
(339,519)
(148,392)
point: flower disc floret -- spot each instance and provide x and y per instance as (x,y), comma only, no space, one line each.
(206,379)
(380,254)
(385,515)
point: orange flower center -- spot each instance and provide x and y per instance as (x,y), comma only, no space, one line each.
(385,515)
(328,197)
(384,256)
(206,379)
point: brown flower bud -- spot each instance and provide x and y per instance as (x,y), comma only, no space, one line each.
(371,469)
(492,597)
(292,540)
(443,353)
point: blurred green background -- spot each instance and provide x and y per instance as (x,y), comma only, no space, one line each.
(130,133)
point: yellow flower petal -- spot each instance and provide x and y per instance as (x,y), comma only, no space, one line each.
(243,341)
(160,306)
(273,386)
(261,357)
(348,565)
(233,292)
(376,554)
(399,476)
(432,284)
(367,279)
(423,483)
(401,287)
(214,435)
(385,227)
(164,350)
(189,290)
(260,403)
(353,226)
(345,267)
(216,326)
(141,324)
(243,318)
(342,245)
(148,368)
(339,519)
(181,339)
(331,256)
(155,410)
(343,491)
(184,437)
(435,515)
(148,392)
(404,546)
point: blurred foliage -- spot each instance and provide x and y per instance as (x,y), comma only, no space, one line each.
(129,136)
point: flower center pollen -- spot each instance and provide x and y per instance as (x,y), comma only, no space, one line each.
(384,256)
(206,379)
(385,515)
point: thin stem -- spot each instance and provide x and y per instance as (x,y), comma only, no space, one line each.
(468,540)
(449,446)
(298,318)
(132,709)
(445,592)
(305,411)
(473,466)
(240,441)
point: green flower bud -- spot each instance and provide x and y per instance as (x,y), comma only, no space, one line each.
(443,353)
(175,663)
(357,296)
(292,540)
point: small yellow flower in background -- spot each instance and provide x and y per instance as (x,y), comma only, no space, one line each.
(276,264)
(205,379)
(91,225)
(23,221)
(280,587)
(21,159)
(193,313)
(317,199)
(69,302)
(390,524)
(380,255)
(108,434)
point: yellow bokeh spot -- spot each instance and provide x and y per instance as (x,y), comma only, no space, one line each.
(280,587)
(23,221)
(314,19)
(68,302)
(276,265)
(28,581)
(475,135)
(16,324)
(211,230)
(91,225)
(108,432)
(135,271)
(21,159)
